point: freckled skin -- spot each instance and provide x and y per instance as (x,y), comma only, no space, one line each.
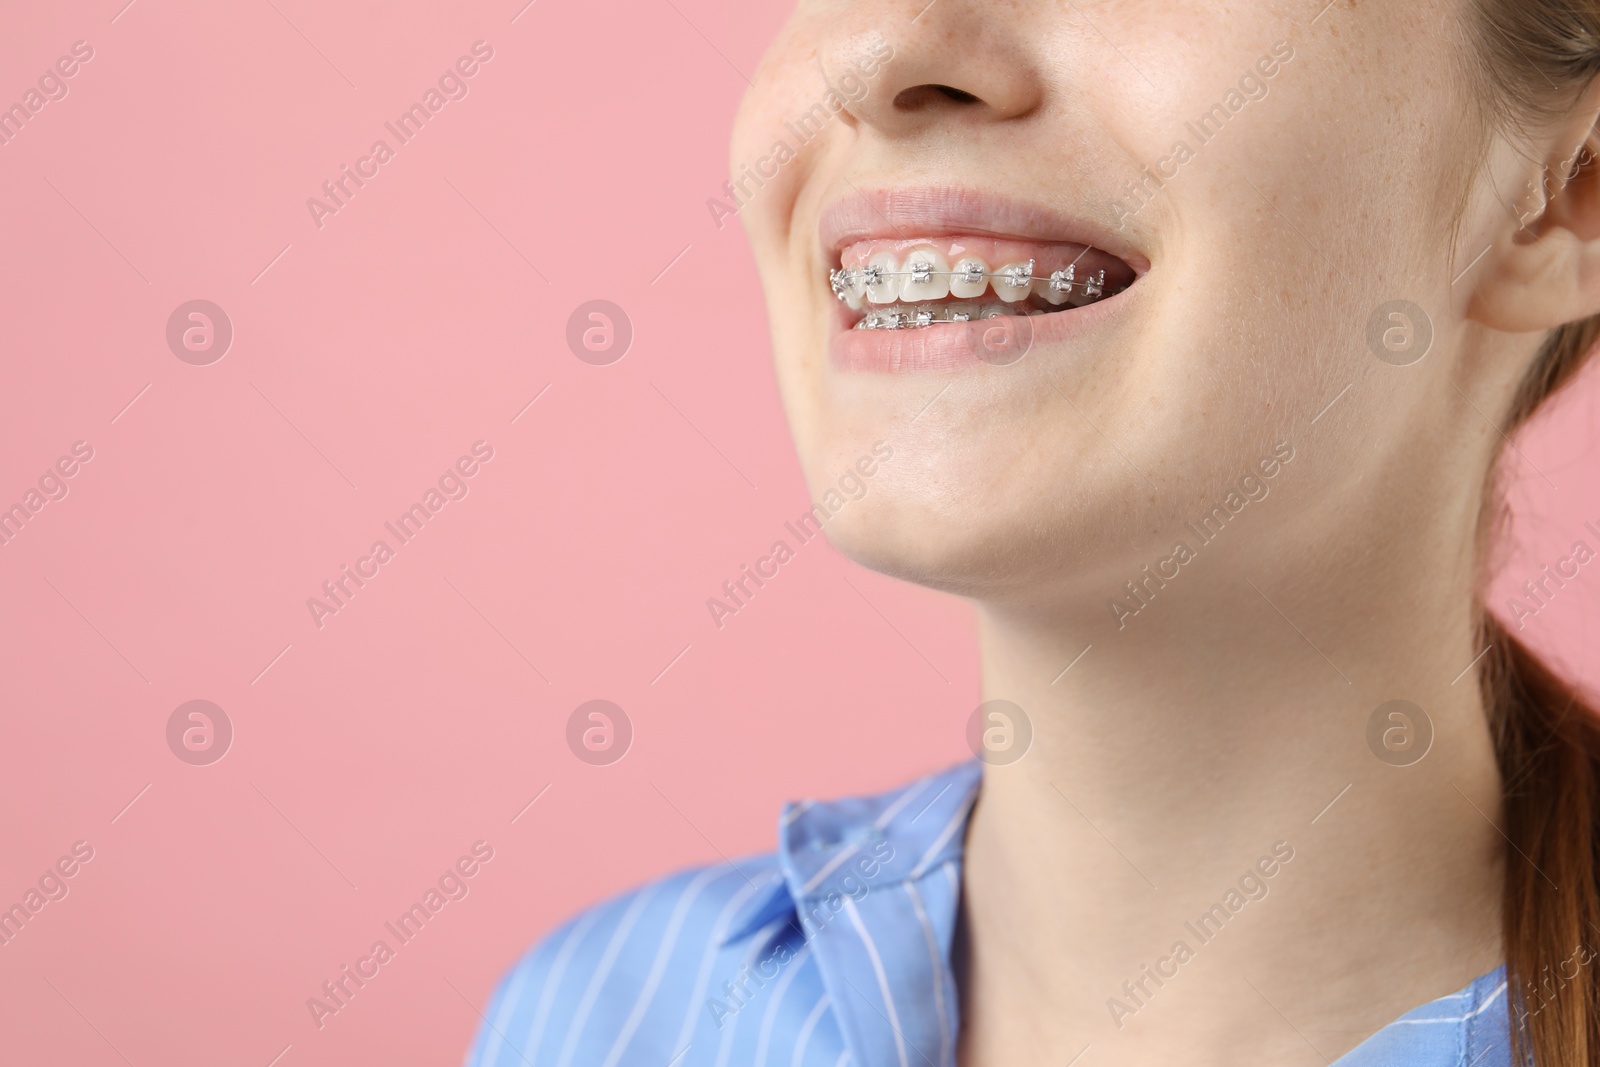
(1331,186)
(1359,172)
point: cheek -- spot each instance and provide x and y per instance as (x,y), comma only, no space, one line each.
(1295,217)
(786,89)
(1272,242)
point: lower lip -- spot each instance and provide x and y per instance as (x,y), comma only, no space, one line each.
(958,346)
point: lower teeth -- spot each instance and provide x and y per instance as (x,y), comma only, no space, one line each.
(913,316)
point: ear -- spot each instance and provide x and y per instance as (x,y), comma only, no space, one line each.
(1544,270)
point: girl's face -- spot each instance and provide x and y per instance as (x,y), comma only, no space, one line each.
(1275,182)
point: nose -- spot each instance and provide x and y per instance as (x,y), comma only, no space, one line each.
(950,62)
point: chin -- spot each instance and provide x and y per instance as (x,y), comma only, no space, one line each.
(900,543)
(950,537)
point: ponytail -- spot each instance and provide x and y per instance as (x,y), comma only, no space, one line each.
(1547,743)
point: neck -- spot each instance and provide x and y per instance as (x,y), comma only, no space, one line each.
(1227,720)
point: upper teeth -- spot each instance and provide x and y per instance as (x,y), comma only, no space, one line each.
(926,275)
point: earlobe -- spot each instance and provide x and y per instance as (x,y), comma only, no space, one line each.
(1544,266)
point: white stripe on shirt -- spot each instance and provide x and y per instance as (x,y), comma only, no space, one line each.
(809,1025)
(883,978)
(658,968)
(580,1017)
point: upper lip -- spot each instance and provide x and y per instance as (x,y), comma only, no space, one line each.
(902,213)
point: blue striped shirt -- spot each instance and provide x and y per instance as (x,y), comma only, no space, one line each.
(834,951)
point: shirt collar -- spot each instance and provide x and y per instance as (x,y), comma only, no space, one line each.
(873,886)
(821,844)
(851,871)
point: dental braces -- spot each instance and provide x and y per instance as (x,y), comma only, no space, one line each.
(894,319)
(1014,277)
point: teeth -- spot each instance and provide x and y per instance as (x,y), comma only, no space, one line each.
(884,282)
(1088,289)
(1014,281)
(971,278)
(1059,286)
(848,286)
(925,276)
(911,316)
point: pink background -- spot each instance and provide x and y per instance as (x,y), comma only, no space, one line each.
(368,355)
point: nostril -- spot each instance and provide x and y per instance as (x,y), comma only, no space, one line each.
(921,96)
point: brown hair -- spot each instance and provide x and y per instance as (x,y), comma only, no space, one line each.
(1535,58)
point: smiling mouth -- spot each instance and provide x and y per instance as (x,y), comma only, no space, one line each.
(946,278)
(918,283)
